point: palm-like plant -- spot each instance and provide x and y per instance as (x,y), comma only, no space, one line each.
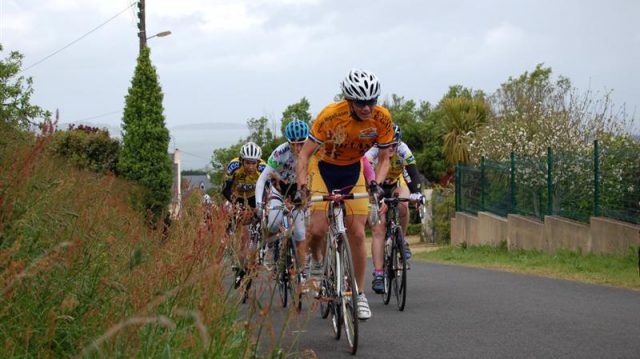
(463,116)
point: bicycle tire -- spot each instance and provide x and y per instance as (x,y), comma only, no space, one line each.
(400,262)
(326,286)
(245,291)
(349,299)
(293,276)
(336,308)
(282,278)
(387,268)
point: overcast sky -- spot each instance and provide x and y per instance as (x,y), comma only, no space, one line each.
(227,61)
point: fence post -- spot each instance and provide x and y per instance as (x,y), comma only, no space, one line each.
(458,185)
(482,185)
(513,183)
(596,179)
(549,182)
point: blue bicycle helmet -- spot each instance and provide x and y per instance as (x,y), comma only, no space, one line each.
(397,133)
(296,131)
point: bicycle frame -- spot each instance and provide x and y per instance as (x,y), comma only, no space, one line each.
(288,255)
(335,212)
(395,268)
(343,301)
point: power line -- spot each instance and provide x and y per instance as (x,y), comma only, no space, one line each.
(197,156)
(76,40)
(98,116)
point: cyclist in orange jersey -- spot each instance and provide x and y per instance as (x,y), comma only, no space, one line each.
(332,158)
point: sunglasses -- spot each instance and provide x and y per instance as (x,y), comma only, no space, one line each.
(250,162)
(363,103)
(298,141)
(394,145)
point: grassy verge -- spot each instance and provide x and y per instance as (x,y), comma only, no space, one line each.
(596,269)
(83,275)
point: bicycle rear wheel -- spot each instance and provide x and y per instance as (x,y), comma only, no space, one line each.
(349,298)
(400,271)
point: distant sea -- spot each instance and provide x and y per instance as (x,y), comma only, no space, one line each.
(197,144)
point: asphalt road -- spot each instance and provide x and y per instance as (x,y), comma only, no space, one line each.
(459,312)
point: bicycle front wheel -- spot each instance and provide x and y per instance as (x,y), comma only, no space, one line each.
(327,287)
(349,296)
(400,270)
(389,273)
(293,275)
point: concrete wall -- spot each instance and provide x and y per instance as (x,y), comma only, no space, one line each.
(601,236)
(464,228)
(525,233)
(563,233)
(492,229)
(614,237)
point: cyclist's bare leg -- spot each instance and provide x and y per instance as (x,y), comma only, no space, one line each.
(318,227)
(301,248)
(356,234)
(377,243)
(404,209)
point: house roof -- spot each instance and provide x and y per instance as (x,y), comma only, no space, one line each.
(194,181)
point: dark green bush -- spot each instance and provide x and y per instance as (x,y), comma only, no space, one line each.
(88,148)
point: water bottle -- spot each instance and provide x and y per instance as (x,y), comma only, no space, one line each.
(374,218)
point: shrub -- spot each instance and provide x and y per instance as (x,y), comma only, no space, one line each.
(88,148)
(443,209)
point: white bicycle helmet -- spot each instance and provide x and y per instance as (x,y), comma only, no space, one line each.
(360,85)
(250,151)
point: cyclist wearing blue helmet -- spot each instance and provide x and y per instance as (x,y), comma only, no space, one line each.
(281,173)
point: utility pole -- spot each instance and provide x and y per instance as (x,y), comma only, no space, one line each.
(142,30)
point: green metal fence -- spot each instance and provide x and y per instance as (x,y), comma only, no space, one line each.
(601,182)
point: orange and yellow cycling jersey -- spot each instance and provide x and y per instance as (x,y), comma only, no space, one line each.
(344,139)
(243,184)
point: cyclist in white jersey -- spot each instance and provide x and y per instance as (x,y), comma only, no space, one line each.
(402,178)
(281,171)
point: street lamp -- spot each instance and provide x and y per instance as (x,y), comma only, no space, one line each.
(160,34)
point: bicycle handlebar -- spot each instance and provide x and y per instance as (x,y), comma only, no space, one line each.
(396,199)
(336,197)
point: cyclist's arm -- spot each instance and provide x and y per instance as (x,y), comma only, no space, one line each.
(260,184)
(226,189)
(384,164)
(367,169)
(412,178)
(303,162)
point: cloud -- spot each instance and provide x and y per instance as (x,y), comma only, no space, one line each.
(503,36)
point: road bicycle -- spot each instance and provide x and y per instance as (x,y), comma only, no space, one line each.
(288,270)
(395,262)
(254,250)
(338,292)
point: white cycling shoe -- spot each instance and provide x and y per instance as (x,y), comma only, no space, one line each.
(364,312)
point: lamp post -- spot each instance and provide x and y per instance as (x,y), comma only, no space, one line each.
(160,34)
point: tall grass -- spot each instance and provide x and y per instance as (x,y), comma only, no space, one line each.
(83,275)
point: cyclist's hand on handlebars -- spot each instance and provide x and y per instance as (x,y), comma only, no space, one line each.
(302,196)
(376,191)
(259,211)
(417,198)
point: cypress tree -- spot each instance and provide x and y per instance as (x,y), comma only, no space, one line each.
(144,156)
